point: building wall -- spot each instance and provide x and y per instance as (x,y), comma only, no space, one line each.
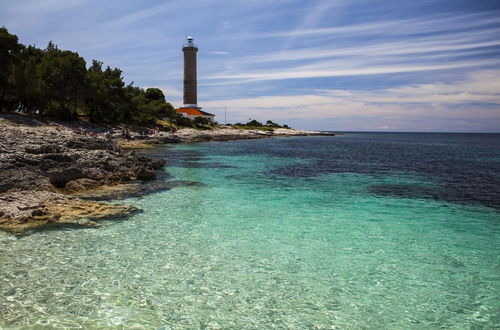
(190,80)
(211,118)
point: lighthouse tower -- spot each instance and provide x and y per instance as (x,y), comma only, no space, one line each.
(190,109)
(190,83)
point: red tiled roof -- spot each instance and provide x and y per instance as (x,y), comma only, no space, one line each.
(194,112)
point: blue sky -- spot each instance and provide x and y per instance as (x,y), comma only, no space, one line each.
(330,65)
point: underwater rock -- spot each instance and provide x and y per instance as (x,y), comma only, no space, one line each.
(21,211)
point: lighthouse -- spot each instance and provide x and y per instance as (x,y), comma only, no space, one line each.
(190,83)
(190,109)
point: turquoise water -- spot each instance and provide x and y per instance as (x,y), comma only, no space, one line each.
(279,233)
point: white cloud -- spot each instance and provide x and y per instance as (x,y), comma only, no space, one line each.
(421,25)
(410,47)
(334,69)
(46,6)
(436,42)
(271,49)
(392,108)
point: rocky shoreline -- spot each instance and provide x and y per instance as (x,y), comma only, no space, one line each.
(46,166)
(191,135)
(42,164)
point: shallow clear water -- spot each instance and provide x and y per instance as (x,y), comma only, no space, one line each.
(350,232)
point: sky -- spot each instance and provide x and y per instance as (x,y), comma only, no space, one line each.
(340,65)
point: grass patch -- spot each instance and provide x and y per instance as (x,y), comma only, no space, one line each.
(134,145)
(260,128)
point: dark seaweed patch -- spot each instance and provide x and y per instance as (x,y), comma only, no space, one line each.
(449,193)
(204,165)
(405,191)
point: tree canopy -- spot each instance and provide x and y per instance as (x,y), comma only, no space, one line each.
(254,123)
(58,83)
(154,95)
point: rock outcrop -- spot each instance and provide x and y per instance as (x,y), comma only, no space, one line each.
(21,211)
(41,163)
(54,158)
(191,135)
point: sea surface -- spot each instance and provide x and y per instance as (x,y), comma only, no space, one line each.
(355,231)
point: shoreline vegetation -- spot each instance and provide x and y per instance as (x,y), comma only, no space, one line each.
(57,83)
(68,131)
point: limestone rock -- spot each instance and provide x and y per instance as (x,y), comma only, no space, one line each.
(82,184)
(48,157)
(25,210)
